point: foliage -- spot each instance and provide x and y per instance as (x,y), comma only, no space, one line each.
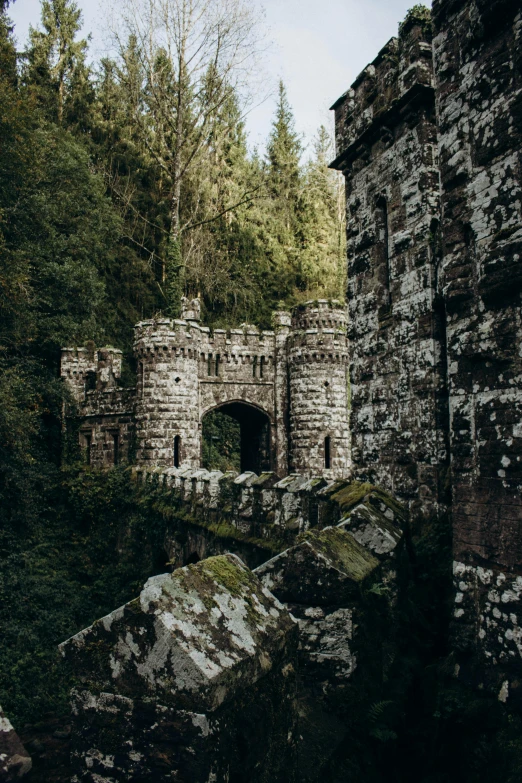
(93,545)
(221,442)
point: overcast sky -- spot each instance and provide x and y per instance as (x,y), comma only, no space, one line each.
(318,49)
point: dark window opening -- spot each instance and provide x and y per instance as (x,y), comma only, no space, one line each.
(218,359)
(87,440)
(327,459)
(177,451)
(90,381)
(116,447)
(261,366)
(254,366)
(209,364)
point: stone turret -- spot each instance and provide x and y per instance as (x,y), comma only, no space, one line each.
(167,404)
(319,417)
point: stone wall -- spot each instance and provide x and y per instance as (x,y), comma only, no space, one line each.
(478,64)
(429,139)
(387,149)
(194,680)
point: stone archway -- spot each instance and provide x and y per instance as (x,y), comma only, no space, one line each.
(255,434)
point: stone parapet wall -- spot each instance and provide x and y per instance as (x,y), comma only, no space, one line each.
(264,514)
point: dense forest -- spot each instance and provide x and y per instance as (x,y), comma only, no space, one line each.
(125,183)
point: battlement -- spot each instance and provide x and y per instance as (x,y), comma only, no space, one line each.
(86,369)
(385,91)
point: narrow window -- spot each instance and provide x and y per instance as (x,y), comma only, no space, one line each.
(382,220)
(327,452)
(261,365)
(209,364)
(141,378)
(87,439)
(116,447)
(90,381)
(177,451)
(218,359)
(254,366)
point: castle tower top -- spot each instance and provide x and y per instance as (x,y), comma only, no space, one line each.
(321,315)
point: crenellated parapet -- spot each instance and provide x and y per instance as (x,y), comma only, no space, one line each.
(254,514)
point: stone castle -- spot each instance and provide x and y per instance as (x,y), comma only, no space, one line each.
(414,412)
(288,388)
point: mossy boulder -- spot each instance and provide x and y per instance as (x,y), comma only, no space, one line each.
(194,638)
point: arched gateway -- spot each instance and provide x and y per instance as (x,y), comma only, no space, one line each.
(287,388)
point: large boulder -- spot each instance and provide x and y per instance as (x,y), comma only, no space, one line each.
(193,680)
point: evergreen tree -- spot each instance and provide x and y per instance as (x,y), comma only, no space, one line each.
(322,223)
(56,61)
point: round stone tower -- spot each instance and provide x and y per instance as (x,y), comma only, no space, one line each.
(167,405)
(319,390)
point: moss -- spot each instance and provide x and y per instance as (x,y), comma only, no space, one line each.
(349,496)
(229,575)
(356,492)
(343,551)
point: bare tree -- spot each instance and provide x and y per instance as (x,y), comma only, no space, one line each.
(193,54)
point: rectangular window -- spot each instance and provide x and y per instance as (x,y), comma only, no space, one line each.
(116,447)
(261,366)
(218,359)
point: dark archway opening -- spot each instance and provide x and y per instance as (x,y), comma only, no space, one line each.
(194,558)
(236,436)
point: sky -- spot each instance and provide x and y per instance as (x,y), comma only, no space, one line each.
(318,47)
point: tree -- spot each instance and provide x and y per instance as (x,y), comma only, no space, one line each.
(194,55)
(322,223)
(56,60)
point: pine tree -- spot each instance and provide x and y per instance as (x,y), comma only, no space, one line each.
(322,222)
(56,61)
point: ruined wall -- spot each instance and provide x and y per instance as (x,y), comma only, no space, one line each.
(478,62)
(386,141)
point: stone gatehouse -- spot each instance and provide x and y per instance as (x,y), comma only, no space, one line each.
(287,388)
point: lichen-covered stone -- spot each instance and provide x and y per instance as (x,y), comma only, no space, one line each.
(15,762)
(326,567)
(172,682)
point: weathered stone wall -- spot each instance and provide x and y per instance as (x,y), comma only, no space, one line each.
(15,762)
(258,516)
(387,149)
(197,676)
(478,64)
(107,430)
